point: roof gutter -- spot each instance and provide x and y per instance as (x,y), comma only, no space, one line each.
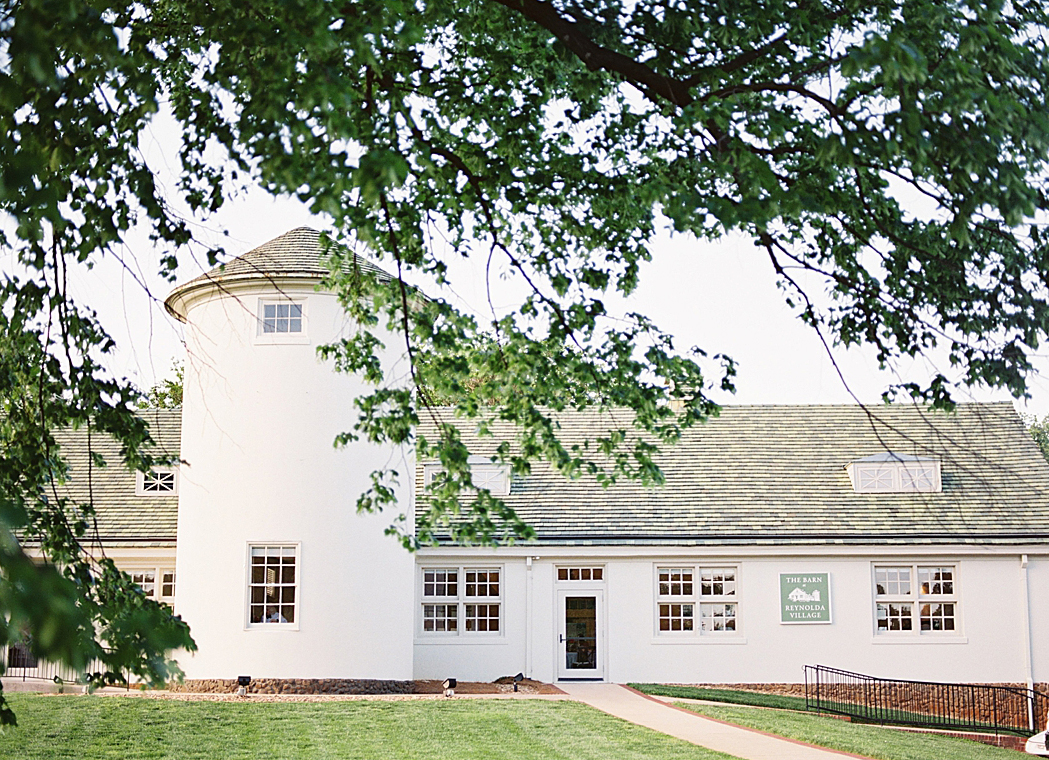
(866,539)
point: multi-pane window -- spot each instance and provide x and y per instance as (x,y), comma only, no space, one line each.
(936,605)
(580,573)
(157,482)
(162,591)
(679,596)
(461,600)
(482,617)
(145,580)
(167,584)
(441,583)
(440,618)
(915,598)
(281,318)
(273,584)
(717,594)
(676,599)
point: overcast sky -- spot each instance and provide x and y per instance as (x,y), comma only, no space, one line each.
(722,298)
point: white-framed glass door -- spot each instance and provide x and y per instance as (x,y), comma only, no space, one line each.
(581,651)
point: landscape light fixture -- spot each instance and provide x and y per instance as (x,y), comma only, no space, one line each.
(242,683)
(517,679)
(449,687)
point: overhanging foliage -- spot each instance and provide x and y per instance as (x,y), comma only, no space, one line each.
(550,136)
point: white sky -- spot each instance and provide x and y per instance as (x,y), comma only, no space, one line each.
(722,298)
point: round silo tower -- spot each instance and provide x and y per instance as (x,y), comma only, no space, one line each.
(277,574)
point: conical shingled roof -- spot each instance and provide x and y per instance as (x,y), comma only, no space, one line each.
(296,253)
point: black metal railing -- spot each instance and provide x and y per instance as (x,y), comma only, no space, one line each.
(20,663)
(954,706)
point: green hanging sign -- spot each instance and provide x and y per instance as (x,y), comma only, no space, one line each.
(804,597)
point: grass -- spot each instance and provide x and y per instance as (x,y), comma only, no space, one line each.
(780,702)
(866,740)
(119,728)
(722,695)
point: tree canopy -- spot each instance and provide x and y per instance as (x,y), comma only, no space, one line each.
(167,394)
(887,155)
(1039,430)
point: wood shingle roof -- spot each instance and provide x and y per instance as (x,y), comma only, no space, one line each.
(295,254)
(775,475)
(122,517)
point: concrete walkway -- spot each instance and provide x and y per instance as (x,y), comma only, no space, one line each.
(634,707)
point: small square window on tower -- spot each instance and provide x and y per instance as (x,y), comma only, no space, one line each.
(281,320)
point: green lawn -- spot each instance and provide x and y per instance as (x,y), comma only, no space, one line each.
(780,702)
(870,741)
(122,728)
(722,695)
(128,728)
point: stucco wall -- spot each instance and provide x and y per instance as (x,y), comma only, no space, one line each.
(988,647)
(257,430)
(1038,588)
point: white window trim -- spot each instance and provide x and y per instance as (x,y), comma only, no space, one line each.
(159,571)
(696,599)
(293,626)
(140,482)
(902,475)
(579,568)
(264,338)
(461,635)
(477,465)
(916,599)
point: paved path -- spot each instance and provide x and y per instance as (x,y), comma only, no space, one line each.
(739,742)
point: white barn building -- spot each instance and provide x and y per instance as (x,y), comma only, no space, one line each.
(902,543)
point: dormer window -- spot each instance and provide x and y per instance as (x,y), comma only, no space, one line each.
(895,473)
(160,481)
(493,476)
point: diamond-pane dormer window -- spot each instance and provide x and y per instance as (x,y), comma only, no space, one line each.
(875,478)
(895,473)
(485,474)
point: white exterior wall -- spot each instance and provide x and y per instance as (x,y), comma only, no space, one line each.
(487,656)
(259,466)
(987,647)
(1038,590)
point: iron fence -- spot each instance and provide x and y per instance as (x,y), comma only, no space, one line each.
(926,704)
(20,663)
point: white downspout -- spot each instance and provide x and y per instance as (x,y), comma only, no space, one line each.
(1028,655)
(528,617)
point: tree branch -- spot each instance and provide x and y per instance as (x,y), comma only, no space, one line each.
(736,63)
(829,105)
(597,57)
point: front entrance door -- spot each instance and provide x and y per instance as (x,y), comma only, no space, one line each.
(580,641)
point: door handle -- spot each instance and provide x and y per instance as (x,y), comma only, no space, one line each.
(560,638)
